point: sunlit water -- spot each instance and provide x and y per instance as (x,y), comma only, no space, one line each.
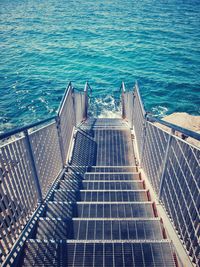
(46,44)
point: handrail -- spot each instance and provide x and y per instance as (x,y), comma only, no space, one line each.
(24,128)
(186,132)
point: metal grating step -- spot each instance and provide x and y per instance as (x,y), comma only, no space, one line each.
(117,229)
(98,254)
(106,196)
(114,210)
(65,210)
(57,229)
(112,169)
(100,195)
(121,254)
(111,176)
(101,122)
(113,185)
(69,184)
(114,147)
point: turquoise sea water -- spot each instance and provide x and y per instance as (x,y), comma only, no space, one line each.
(45,44)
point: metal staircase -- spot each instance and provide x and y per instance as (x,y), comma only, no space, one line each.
(100,213)
(79,191)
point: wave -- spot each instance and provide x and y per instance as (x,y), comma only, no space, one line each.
(159,111)
(105,107)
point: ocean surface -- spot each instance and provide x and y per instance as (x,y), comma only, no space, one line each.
(46,44)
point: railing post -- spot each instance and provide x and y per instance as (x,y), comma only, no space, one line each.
(123,108)
(35,174)
(164,165)
(86,101)
(132,109)
(60,140)
(73,103)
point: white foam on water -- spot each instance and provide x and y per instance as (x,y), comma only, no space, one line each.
(160,111)
(110,114)
(106,107)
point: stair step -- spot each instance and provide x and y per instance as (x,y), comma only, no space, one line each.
(114,147)
(112,169)
(113,196)
(66,210)
(117,229)
(101,122)
(100,195)
(114,210)
(113,185)
(121,254)
(98,185)
(111,176)
(101,254)
(57,229)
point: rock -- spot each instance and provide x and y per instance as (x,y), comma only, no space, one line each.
(184,120)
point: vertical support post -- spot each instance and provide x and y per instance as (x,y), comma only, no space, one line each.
(60,140)
(165,161)
(132,109)
(73,103)
(86,101)
(123,108)
(35,174)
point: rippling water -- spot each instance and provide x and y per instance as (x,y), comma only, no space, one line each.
(45,44)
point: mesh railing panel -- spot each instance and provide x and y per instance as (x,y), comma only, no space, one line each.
(18,197)
(47,155)
(154,152)
(180,192)
(67,120)
(128,107)
(80,107)
(138,121)
(173,168)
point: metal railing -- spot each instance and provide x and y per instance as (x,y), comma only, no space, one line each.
(173,168)
(31,158)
